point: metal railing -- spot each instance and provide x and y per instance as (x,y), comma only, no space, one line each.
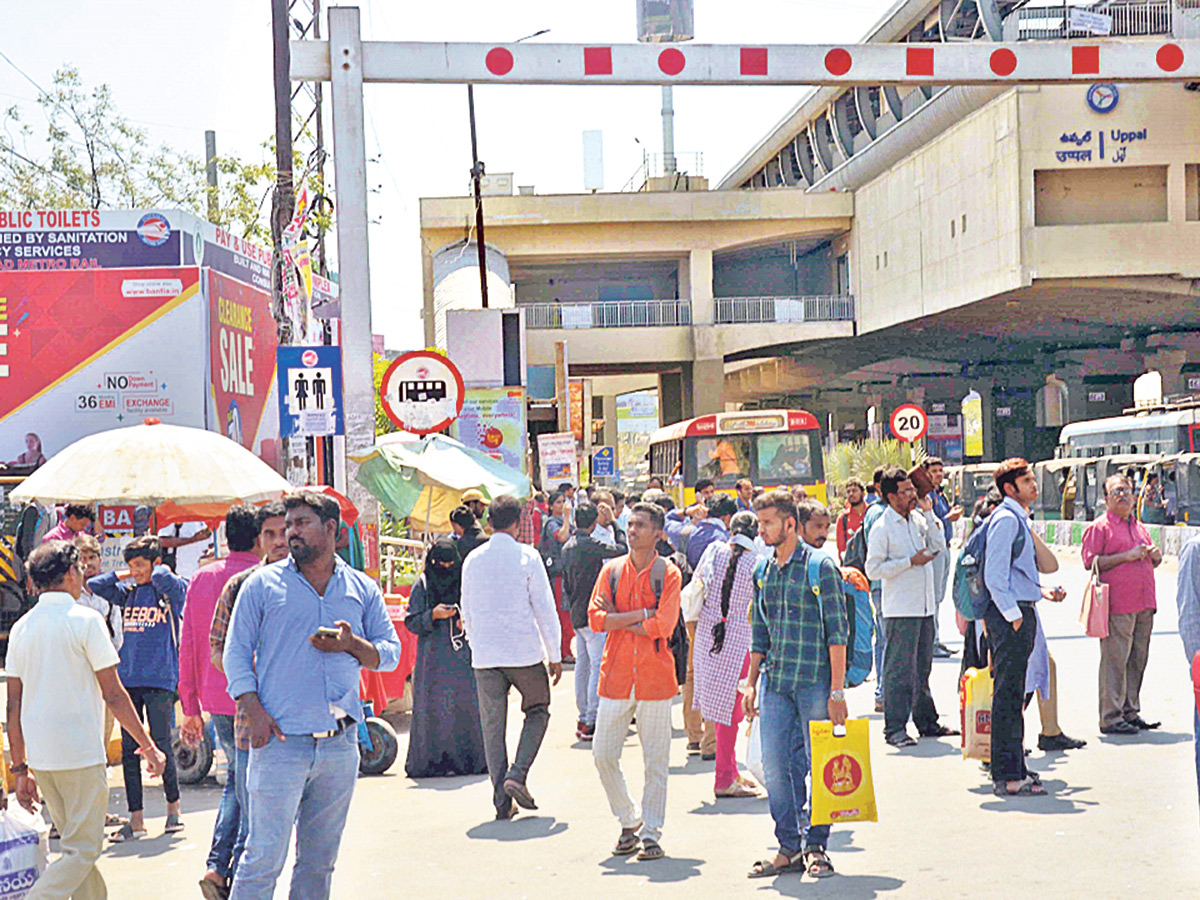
(736,310)
(1052,22)
(608,314)
(399,558)
(654,165)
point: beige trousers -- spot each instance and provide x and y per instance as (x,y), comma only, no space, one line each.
(698,731)
(77,800)
(1123,657)
(1048,705)
(654,733)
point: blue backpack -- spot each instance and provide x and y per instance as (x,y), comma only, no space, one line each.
(971,596)
(860,616)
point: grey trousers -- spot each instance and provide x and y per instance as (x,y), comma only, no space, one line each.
(908,660)
(941,575)
(493,685)
(1123,657)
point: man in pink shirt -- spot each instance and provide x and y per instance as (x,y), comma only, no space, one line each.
(1121,549)
(78,520)
(201,686)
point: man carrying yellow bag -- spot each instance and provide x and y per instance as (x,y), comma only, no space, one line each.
(841,774)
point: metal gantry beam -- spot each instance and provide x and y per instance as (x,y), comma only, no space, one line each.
(981,62)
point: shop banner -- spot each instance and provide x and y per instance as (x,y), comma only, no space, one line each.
(493,421)
(556,453)
(242,342)
(86,351)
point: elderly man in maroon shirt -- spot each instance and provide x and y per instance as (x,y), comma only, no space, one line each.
(1126,557)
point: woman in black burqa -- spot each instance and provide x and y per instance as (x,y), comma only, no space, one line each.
(445,737)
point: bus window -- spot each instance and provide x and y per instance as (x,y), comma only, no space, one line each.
(724,459)
(785,458)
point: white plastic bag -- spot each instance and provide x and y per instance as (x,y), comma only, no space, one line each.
(753,758)
(24,850)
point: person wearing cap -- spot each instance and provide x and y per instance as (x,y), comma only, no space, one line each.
(477,503)
(466,530)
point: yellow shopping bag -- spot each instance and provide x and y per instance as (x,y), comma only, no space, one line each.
(841,773)
(975,705)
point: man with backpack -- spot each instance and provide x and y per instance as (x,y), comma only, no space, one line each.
(798,643)
(851,518)
(635,603)
(900,547)
(1011,577)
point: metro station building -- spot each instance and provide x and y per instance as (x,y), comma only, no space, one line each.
(1037,245)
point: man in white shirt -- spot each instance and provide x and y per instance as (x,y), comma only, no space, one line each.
(61,664)
(510,618)
(900,546)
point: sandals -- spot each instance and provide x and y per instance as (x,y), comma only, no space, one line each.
(939,732)
(1031,786)
(766,868)
(650,850)
(174,824)
(627,843)
(737,790)
(816,862)
(127,833)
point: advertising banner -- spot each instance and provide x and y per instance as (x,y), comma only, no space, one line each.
(637,419)
(48,240)
(575,391)
(242,342)
(556,453)
(493,421)
(88,350)
(972,424)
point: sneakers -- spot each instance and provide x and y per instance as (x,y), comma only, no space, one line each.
(941,651)
(1060,741)
(586,733)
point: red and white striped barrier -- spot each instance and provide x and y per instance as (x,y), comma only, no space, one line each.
(980,62)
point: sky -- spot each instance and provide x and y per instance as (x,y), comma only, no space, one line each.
(179,68)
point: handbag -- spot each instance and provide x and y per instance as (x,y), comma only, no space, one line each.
(1093,615)
(752,758)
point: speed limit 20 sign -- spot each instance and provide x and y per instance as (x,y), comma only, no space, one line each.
(909,422)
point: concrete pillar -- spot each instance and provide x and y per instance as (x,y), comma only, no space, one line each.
(707,388)
(610,420)
(670,398)
(700,285)
(1169,364)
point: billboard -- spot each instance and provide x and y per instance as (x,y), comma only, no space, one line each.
(86,350)
(637,419)
(48,240)
(493,421)
(242,342)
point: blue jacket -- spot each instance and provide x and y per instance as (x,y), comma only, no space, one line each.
(699,536)
(153,614)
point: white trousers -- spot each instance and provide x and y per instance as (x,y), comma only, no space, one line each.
(654,732)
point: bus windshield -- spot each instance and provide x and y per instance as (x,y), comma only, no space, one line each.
(724,459)
(785,458)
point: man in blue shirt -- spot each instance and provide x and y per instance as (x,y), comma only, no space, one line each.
(936,470)
(1187,596)
(301,631)
(1010,573)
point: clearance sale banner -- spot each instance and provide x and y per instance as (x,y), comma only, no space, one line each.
(85,350)
(242,363)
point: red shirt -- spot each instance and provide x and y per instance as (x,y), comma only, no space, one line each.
(847,524)
(1131,584)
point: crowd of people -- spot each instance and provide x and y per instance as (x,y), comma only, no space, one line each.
(738,601)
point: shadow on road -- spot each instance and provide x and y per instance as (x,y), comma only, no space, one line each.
(518,829)
(1148,737)
(451,783)
(149,846)
(843,887)
(927,748)
(734,806)
(661,871)
(1055,802)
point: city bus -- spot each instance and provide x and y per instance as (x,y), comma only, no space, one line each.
(1166,429)
(771,447)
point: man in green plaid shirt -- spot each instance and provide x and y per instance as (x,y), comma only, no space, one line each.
(798,642)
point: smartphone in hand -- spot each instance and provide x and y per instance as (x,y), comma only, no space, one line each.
(327,631)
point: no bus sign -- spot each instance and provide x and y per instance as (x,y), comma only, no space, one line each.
(422,392)
(909,422)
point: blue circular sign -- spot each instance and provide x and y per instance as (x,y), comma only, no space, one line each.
(1103,98)
(154,229)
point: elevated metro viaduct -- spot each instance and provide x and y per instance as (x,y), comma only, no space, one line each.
(891,243)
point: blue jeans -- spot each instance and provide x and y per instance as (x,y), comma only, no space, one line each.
(880,641)
(787,758)
(589,650)
(229,833)
(303,780)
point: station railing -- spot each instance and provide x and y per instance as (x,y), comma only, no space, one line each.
(1046,22)
(608,314)
(737,310)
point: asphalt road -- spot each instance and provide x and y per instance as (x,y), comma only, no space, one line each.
(1119,819)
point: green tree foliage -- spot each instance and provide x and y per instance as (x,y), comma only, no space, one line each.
(90,156)
(859,460)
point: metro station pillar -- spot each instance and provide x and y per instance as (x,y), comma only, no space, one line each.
(700,285)
(707,388)
(671,398)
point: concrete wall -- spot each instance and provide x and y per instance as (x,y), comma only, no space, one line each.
(912,255)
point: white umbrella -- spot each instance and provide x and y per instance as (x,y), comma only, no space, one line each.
(152,464)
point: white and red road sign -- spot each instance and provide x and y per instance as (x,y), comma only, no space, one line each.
(970,62)
(909,422)
(422,392)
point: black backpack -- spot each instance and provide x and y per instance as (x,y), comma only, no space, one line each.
(678,642)
(855,556)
